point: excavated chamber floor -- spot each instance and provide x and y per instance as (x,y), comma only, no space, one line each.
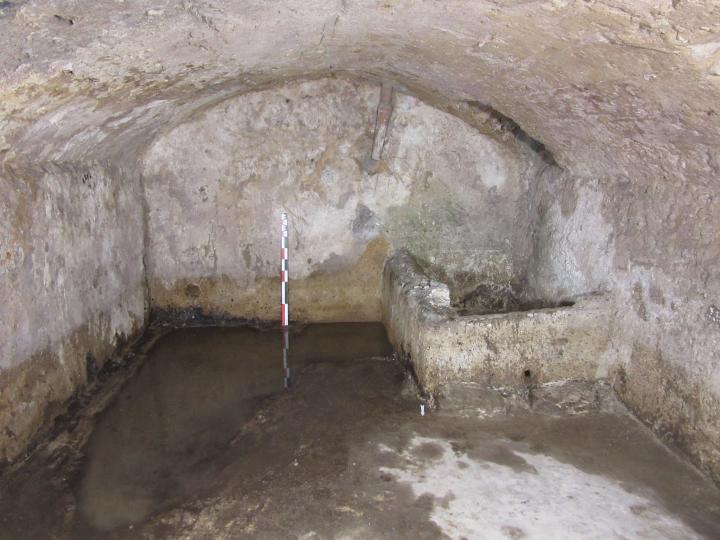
(194,435)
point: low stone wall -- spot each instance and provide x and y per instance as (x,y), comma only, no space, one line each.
(507,349)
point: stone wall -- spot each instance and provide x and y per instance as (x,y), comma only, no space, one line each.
(654,247)
(455,197)
(72,284)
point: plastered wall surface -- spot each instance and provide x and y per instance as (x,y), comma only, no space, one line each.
(215,189)
(72,287)
(652,246)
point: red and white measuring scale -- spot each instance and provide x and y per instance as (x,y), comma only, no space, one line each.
(284,277)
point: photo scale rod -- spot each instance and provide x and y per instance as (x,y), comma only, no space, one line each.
(284,298)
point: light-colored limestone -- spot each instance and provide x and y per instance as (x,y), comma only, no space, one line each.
(505,349)
(72,283)
(215,189)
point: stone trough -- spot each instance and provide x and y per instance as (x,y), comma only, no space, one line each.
(517,348)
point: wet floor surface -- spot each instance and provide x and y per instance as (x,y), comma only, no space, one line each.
(200,438)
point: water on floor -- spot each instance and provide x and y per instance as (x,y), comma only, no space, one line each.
(169,433)
(204,438)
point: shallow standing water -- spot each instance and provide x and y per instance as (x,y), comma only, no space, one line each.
(203,440)
(168,434)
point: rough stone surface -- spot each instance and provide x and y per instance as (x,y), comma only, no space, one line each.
(622,93)
(455,197)
(72,283)
(507,349)
(342,453)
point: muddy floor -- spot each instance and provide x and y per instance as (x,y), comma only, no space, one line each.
(200,433)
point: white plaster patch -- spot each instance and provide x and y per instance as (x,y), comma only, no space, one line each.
(556,500)
(439,294)
(702,51)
